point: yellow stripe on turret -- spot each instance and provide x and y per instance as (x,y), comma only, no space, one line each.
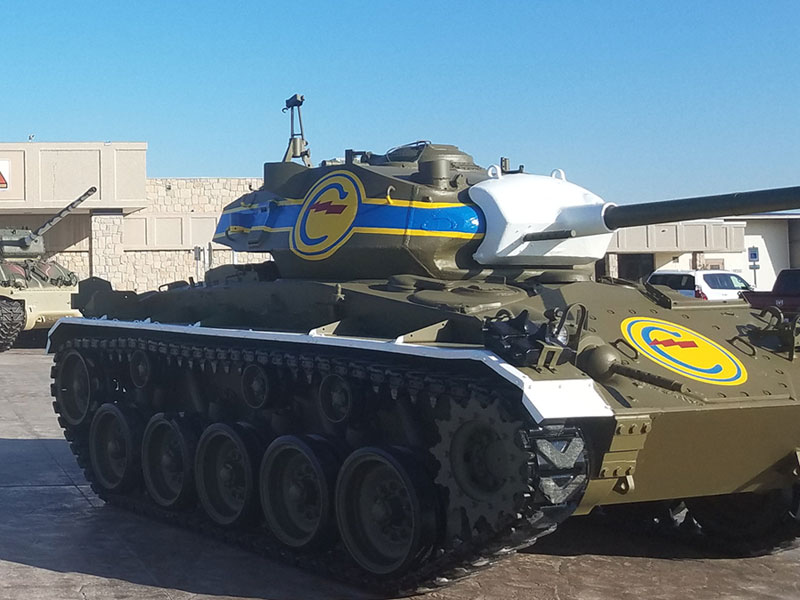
(418,232)
(366,230)
(387,201)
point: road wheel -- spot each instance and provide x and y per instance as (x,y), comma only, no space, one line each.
(74,388)
(168,461)
(114,448)
(224,474)
(385,510)
(297,482)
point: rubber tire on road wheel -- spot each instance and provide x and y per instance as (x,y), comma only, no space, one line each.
(215,481)
(168,447)
(297,482)
(386,510)
(74,383)
(115,430)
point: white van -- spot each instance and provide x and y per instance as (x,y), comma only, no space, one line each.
(708,285)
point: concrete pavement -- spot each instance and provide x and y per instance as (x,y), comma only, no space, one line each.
(57,541)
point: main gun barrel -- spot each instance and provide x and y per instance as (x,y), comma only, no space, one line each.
(51,222)
(702,207)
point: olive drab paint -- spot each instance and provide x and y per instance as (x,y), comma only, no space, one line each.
(429,329)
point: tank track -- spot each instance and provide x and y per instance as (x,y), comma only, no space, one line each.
(555,484)
(12,320)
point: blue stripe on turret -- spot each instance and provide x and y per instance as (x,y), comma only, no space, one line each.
(465,219)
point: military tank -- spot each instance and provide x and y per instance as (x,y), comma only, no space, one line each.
(34,293)
(427,377)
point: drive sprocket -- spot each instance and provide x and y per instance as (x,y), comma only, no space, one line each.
(483,462)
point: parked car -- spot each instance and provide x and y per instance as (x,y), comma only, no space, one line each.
(785,293)
(708,285)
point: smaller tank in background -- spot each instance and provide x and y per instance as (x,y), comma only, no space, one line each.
(34,292)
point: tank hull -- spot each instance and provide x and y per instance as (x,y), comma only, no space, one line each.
(686,433)
(44,307)
(34,295)
(705,407)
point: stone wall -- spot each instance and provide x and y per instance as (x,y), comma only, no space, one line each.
(106,248)
(148,269)
(198,195)
(106,255)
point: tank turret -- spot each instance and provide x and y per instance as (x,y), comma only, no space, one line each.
(427,209)
(26,243)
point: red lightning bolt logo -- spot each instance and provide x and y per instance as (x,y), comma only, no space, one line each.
(328,208)
(670,343)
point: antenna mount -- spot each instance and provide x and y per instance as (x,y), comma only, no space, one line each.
(298,146)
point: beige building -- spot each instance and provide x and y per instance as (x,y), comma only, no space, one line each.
(136,232)
(709,244)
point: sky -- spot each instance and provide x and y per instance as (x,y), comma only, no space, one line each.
(634,100)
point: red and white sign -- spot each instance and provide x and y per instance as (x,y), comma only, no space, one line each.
(4,174)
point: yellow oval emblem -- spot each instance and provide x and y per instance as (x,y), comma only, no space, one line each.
(325,222)
(683,351)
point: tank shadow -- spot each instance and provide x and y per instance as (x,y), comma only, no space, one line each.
(51,520)
(36,338)
(580,536)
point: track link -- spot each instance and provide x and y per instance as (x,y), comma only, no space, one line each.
(12,320)
(555,474)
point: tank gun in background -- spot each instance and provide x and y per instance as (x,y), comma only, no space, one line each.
(24,243)
(34,293)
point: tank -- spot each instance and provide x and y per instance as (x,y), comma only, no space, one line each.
(34,292)
(427,377)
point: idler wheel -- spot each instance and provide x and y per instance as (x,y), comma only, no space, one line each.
(297,484)
(114,440)
(168,461)
(224,474)
(385,510)
(141,369)
(74,383)
(255,386)
(337,399)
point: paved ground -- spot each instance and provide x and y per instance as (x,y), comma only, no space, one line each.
(58,542)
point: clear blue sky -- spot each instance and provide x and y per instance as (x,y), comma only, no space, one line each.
(635,100)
